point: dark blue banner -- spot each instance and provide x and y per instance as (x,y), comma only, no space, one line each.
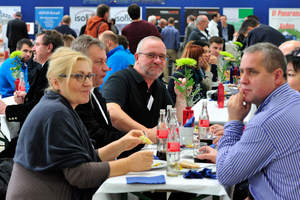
(116,2)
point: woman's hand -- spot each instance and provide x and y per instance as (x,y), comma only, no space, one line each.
(140,161)
(205,65)
(131,139)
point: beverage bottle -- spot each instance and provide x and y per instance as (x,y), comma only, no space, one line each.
(173,150)
(203,125)
(162,136)
(221,95)
(168,115)
(22,82)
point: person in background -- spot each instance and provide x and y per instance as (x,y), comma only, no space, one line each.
(170,37)
(49,168)
(195,52)
(189,28)
(46,43)
(135,95)
(293,69)
(65,27)
(200,32)
(152,19)
(68,39)
(216,45)
(82,30)
(226,31)
(161,24)
(7,81)
(124,42)
(117,58)
(263,151)
(113,26)
(16,30)
(98,24)
(213,25)
(138,28)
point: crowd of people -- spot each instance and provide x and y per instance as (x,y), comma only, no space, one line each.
(90,98)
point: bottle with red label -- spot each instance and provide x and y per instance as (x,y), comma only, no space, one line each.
(203,125)
(173,150)
(22,86)
(168,115)
(221,95)
(162,136)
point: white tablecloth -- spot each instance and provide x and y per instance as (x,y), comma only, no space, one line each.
(9,129)
(199,186)
(218,115)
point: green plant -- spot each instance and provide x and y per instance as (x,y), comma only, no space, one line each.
(16,60)
(187,87)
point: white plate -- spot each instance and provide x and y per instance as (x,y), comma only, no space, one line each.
(188,152)
(163,164)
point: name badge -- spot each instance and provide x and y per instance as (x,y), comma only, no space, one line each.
(150,102)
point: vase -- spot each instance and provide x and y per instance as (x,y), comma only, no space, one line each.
(221,95)
(188,113)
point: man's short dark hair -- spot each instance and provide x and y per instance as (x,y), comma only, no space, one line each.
(253,17)
(18,14)
(102,9)
(273,58)
(248,23)
(216,39)
(224,16)
(134,11)
(214,15)
(24,41)
(52,37)
(191,17)
(123,41)
(171,20)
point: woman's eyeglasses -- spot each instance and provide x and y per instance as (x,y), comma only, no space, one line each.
(80,77)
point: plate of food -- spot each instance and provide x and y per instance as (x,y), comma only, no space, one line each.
(158,164)
(187,165)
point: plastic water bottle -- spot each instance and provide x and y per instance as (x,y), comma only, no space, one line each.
(173,150)
(162,136)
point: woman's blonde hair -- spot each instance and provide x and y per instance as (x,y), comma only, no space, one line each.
(62,62)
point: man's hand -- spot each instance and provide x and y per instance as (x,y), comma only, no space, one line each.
(218,131)
(151,134)
(2,107)
(131,139)
(213,60)
(236,108)
(19,97)
(208,153)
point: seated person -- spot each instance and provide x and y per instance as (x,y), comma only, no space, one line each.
(7,80)
(135,95)
(94,114)
(263,152)
(293,69)
(54,156)
(195,52)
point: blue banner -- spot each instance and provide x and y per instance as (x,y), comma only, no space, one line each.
(48,17)
(115,2)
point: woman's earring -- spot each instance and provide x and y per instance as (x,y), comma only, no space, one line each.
(57,90)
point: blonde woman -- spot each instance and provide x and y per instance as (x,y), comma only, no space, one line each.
(54,156)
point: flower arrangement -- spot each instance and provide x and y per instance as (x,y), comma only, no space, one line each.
(186,88)
(229,59)
(16,61)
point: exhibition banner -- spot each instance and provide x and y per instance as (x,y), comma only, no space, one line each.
(165,13)
(236,16)
(48,17)
(287,21)
(7,13)
(199,11)
(118,2)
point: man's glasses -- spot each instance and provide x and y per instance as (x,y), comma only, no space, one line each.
(154,56)
(80,77)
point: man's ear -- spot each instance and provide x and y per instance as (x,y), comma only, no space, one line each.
(278,76)
(49,48)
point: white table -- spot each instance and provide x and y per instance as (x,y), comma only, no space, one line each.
(109,189)
(9,129)
(218,115)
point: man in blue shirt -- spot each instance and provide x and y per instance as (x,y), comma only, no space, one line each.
(170,37)
(7,81)
(267,151)
(117,58)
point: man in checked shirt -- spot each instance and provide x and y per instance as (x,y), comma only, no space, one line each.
(267,152)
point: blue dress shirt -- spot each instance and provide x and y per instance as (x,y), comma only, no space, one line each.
(170,37)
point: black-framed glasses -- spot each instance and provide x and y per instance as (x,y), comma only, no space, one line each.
(80,77)
(154,56)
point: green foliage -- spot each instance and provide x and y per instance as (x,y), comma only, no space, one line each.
(187,87)
(16,57)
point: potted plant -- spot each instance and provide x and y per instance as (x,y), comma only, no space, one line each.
(16,60)
(186,89)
